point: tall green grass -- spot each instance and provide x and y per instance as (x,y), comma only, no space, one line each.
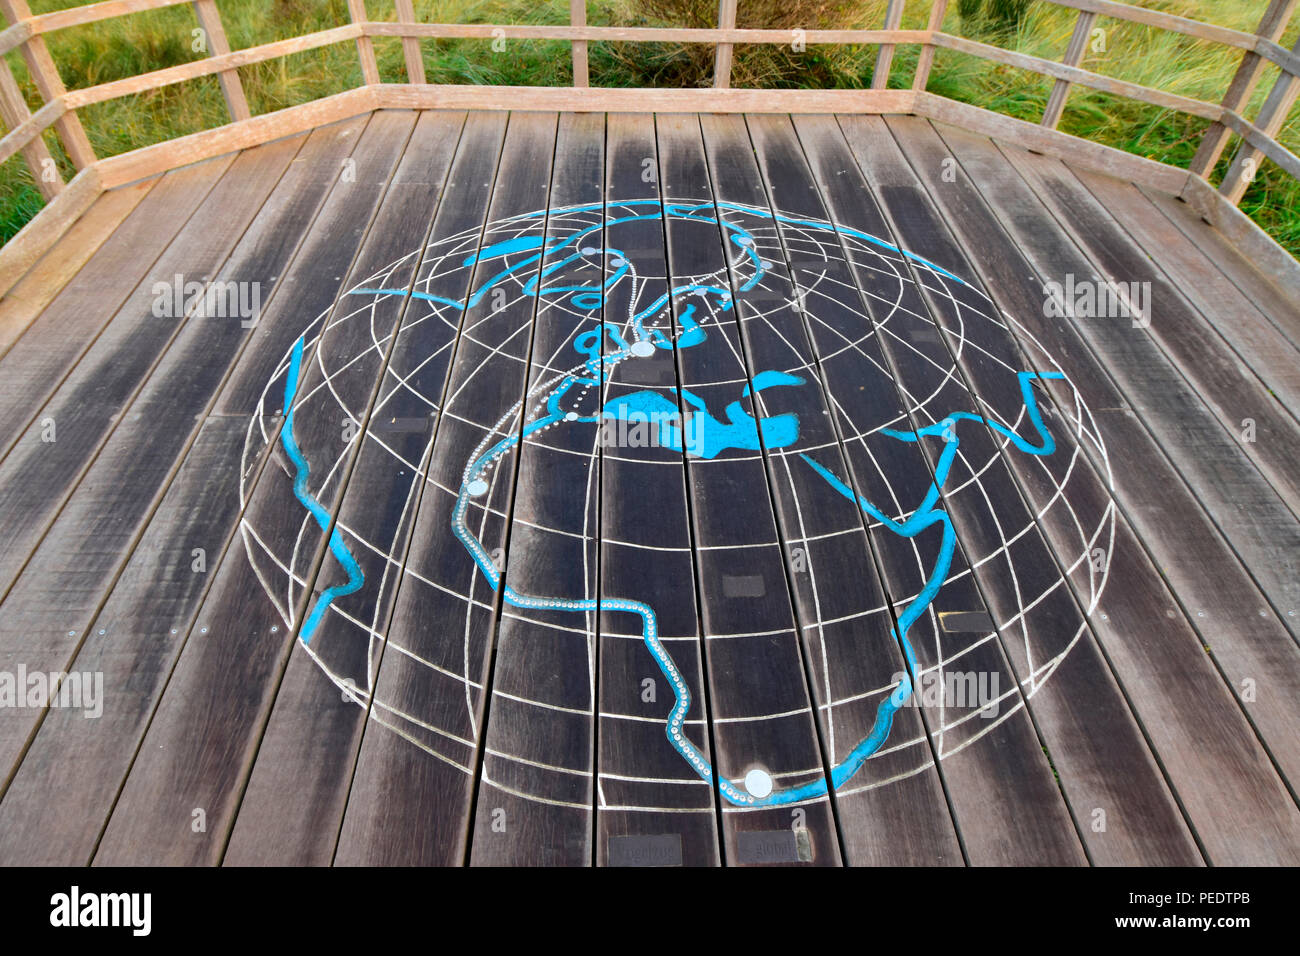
(156,39)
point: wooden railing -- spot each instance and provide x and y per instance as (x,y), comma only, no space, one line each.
(59,106)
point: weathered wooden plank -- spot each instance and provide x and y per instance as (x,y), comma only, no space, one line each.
(652,807)
(539,742)
(892,809)
(58,338)
(47,277)
(761,711)
(997,776)
(1095,746)
(466,96)
(38,474)
(1072,505)
(310,744)
(1050,142)
(1265,353)
(1247,639)
(413,795)
(49,611)
(33,240)
(1277,299)
(1222,381)
(1204,443)
(1214,590)
(200,745)
(132,645)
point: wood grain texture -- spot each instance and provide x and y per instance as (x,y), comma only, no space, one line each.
(413,799)
(37,475)
(221,690)
(1278,300)
(57,339)
(1177,337)
(133,642)
(47,614)
(46,279)
(761,709)
(539,743)
(44,229)
(893,810)
(646,792)
(1158,669)
(1005,801)
(446,710)
(1264,352)
(310,743)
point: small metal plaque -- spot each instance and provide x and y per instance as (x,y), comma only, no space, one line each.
(662,850)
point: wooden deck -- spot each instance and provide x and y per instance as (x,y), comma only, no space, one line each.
(462,542)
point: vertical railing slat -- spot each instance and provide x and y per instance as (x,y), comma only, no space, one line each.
(411,45)
(1271,117)
(14,111)
(885,56)
(578,18)
(722,59)
(925,61)
(365,48)
(231,88)
(50,85)
(1073,55)
(1249,72)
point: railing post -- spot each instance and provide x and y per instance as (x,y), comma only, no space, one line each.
(885,56)
(722,60)
(1243,85)
(50,85)
(13,110)
(365,49)
(233,90)
(1269,122)
(411,45)
(578,18)
(926,60)
(1073,55)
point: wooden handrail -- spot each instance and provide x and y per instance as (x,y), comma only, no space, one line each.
(59,106)
(1243,85)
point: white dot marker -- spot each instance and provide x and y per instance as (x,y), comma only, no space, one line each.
(758,783)
(642,349)
(476,487)
(617,261)
(589,250)
(571,416)
(745,240)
